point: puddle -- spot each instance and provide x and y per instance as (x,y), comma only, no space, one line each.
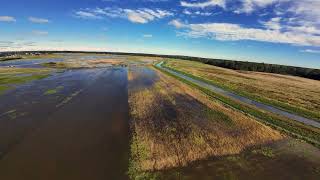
(141,77)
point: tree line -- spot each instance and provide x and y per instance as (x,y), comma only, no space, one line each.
(263,67)
(230,64)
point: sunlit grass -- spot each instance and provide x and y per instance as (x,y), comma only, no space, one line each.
(174,124)
(294,94)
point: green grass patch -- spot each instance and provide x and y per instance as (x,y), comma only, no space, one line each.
(265,151)
(58,65)
(10,77)
(3,88)
(218,116)
(139,152)
(53,91)
(19,79)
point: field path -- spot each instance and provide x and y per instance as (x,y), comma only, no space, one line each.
(245,100)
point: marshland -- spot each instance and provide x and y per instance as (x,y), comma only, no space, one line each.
(115,116)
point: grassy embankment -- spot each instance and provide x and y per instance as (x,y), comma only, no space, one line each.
(174,124)
(293,94)
(10,77)
(294,129)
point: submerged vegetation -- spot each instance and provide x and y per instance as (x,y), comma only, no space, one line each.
(10,77)
(53,91)
(174,125)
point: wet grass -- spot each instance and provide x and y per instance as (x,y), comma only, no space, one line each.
(174,125)
(276,161)
(11,77)
(69,98)
(262,87)
(53,91)
(292,128)
(42,56)
(3,88)
(266,151)
(58,65)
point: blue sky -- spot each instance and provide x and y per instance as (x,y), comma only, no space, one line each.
(271,31)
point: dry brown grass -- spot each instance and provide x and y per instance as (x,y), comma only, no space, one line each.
(290,91)
(106,61)
(174,124)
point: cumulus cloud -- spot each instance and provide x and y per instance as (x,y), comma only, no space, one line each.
(248,6)
(235,32)
(204,4)
(7,19)
(38,20)
(290,21)
(273,23)
(300,17)
(142,15)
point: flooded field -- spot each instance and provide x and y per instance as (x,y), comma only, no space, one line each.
(117,117)
(78,132)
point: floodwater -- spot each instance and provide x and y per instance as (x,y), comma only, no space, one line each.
(79,132)
(36,63)
(244,99)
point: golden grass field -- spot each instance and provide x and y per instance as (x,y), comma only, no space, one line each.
(173,125)
(292,93)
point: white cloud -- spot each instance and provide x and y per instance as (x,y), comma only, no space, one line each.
(248,6)
(137,18)
(235,32)
(273,23)
(7,19)
(205,4)
(177,23)
(310,51)
(300,17)
(38,20)
(147,36)
(196,13)
(142,15)
(86,15)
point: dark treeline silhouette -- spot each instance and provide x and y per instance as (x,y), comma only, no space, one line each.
(262,67)
(230,64)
